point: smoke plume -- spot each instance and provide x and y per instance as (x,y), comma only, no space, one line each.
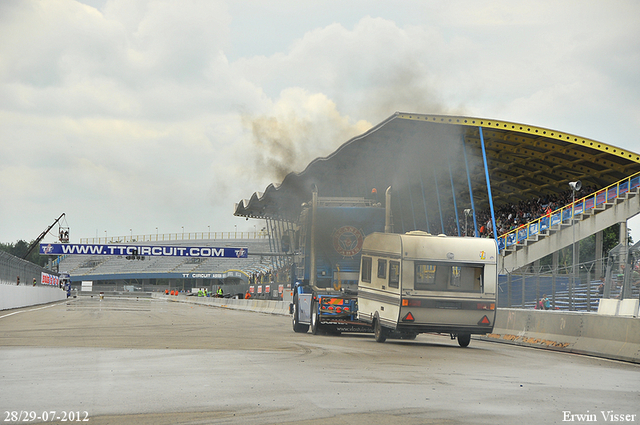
(301,128)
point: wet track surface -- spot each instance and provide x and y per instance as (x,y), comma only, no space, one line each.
(157,362)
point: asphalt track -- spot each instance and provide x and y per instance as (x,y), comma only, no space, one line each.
(128,361)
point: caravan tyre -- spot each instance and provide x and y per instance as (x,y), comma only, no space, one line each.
(379,332)
(408,335)
(464,339)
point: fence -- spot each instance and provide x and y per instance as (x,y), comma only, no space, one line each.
(16,283)
(525,289)
(12,268)
(567,212)
(181,236)
(141,288)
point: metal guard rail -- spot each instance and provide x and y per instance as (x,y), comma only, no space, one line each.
(567,212)
(168,237)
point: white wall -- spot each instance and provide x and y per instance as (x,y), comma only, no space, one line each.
(14,296)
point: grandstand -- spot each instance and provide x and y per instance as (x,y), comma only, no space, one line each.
(445,171)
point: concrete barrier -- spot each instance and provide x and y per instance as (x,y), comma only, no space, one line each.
(113,294)
(612,337)
(260,306)
(14,296)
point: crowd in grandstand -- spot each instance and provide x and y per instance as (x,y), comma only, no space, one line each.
(511,216)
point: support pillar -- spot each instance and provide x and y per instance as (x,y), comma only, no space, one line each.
(599,272)
(554,272)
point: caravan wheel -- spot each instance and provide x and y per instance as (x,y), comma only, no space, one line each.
(408,335)
(379,332)
(464,340)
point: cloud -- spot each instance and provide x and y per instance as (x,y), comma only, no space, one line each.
(131,114)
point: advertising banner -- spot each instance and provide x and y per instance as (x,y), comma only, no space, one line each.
(49,279)
(146,250)
(231,273)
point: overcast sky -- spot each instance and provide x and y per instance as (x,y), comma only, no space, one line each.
(132,116)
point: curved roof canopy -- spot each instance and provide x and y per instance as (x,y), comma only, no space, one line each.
(431,160)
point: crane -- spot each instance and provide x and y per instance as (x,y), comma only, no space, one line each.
(39,238)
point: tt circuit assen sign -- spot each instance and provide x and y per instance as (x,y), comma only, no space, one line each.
(150,251)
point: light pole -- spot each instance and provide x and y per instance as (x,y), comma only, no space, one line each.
(575,186)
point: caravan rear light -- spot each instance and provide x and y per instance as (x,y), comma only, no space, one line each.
(486,306)
(346,309)
(411,303)
(338,310)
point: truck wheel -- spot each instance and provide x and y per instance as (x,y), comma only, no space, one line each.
(297,326)
(464,339)
(379,332)
(316,328)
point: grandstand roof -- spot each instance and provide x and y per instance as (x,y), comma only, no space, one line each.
(423,156)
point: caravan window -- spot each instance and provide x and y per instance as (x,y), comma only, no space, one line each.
(366,269)
(394,274)
(448,277)
(382,269)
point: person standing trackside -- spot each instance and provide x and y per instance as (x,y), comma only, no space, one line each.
(219,292)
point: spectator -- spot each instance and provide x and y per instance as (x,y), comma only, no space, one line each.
(601,286)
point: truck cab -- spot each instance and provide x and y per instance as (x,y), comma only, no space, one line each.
(331,233)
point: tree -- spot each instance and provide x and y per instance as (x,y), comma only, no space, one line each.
(587,247)
(20,248)
(610,238)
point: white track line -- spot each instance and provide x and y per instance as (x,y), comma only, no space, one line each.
(33,309)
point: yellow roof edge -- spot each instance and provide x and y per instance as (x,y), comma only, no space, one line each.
(521,128)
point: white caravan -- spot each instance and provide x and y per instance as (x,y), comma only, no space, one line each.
(416,282)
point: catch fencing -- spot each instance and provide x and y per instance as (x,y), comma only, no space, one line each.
(525,289)
(14,270)
(17,287)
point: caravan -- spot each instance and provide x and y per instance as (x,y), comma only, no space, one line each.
(416,282)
